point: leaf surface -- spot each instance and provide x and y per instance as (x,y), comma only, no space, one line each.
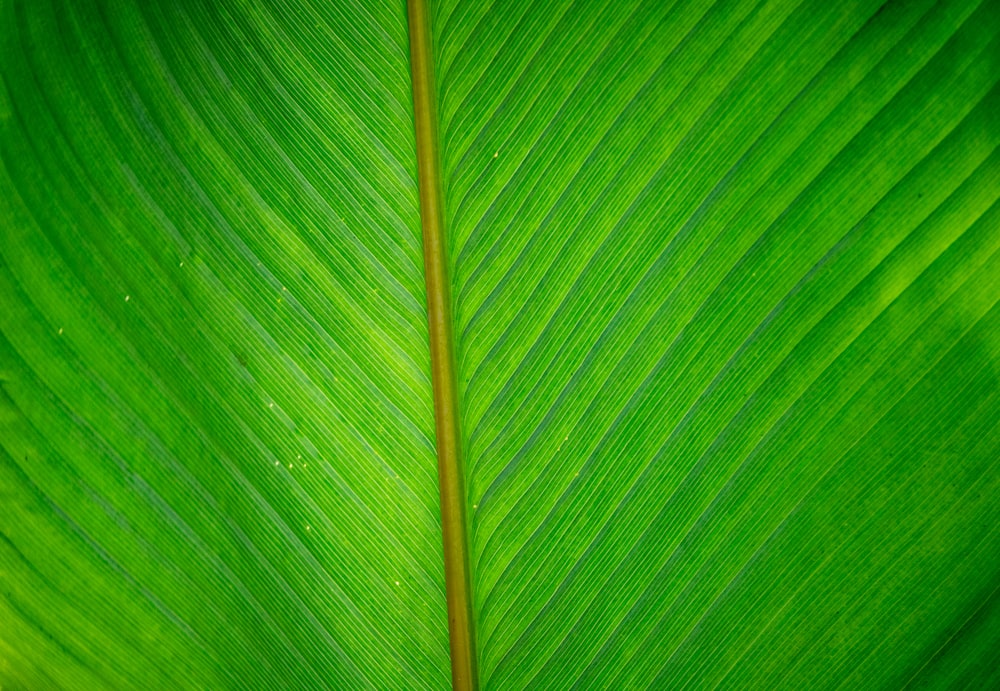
(218,465)
(725,285)
(724,280)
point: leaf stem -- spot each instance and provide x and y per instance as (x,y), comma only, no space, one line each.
(450,471)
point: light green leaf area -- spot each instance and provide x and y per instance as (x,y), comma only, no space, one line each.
(217,465)
(725,280)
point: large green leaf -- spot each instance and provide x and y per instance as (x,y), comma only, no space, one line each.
(725,280)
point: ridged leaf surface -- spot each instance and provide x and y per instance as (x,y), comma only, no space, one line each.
(724,279)
(217,435)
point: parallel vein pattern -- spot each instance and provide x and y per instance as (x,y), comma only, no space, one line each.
(725,280)
(216,428)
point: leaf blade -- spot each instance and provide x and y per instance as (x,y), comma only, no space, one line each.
(636,280)
(221,285)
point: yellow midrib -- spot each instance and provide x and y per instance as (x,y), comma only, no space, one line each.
(447,431)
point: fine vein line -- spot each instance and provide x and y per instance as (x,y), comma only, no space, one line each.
(446,425)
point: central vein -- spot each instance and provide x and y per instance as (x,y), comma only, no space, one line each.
(449,452)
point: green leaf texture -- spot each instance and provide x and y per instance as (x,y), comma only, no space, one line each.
(217,466)
(725,279)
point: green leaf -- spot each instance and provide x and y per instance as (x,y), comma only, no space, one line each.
(724,289)
(725,282)
(218,465)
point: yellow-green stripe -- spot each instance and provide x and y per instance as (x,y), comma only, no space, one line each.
(450,472)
